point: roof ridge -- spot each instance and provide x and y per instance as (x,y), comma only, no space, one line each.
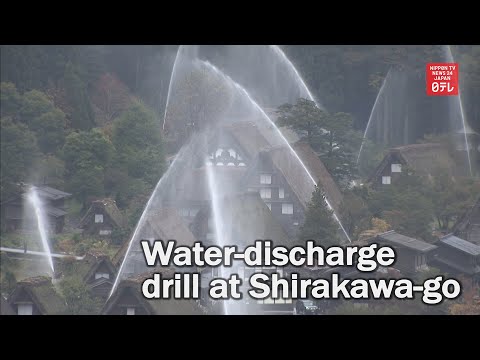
(36,280)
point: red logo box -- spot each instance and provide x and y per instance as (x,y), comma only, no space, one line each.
(442,79)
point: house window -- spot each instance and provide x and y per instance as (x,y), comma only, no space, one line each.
(102,275)
(25,309)
(420,262)
(98,218)
(105,232)
(266,193)
(281,193)
(287,209)
(386,180)
(269,205)
(265,179)
(396,168)
(130,311)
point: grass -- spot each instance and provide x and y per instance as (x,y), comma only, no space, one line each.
(17,241)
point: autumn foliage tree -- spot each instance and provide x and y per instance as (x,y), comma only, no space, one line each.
(470,304)
(110,98)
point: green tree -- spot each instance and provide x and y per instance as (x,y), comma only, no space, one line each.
(85,149)
(78,298)
(137,138)
(50,130)
(10,100)
(18,154)
(87,154)
(331,135)
(34,104)
(319,224)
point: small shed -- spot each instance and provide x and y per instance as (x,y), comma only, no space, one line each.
(458,256)
(412,255)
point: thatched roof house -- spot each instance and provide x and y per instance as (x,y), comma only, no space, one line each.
(102,218)
(129,300)
(37,296)
(424,159)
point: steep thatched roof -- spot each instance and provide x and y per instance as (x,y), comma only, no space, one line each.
(198,186)
(424,159)
(248,136)
(42,293)
(162,224)
(248,216)
(302,172)
(110,208)
(167,224)
(154,306)
(320,174)
(70,267)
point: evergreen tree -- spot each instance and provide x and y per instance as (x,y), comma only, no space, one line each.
(87,154)
(82,116)
(18,154)
(319,224)
(330,135)
(137,138)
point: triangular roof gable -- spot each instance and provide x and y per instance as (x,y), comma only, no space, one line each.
(22,291)
(226,137)
(104,260)
(389,158)
(249,137)
(42,294)
(108,206)
(122,290)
